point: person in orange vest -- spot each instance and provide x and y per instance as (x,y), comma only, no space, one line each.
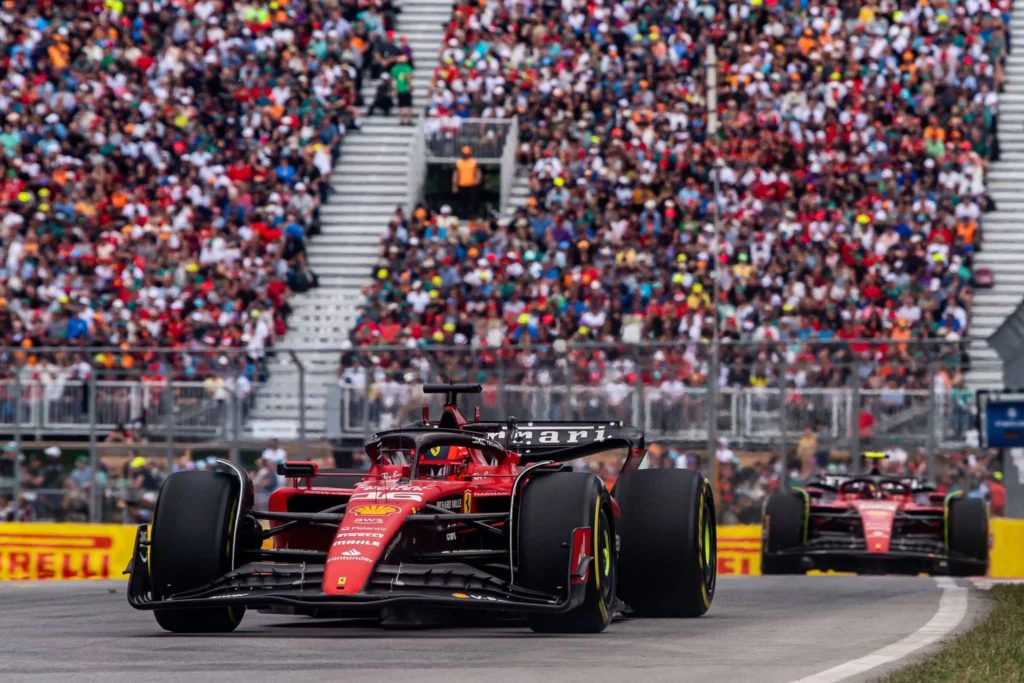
(466,181)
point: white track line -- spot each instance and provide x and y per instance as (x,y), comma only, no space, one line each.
(951,611)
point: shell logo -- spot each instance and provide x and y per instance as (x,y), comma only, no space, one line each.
(376,510)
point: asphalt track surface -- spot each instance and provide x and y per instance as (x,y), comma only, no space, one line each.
(760,629)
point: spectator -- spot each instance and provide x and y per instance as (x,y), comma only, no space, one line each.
(466,180)
(401,72)
(997,494)
(273,453)
(52,477)
(265,481)
(80,482)
(724,454)
(383,99)
(9,459)
(143,485)
(119,434)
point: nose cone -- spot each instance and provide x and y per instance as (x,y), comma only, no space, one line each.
(877,518)
(361,541)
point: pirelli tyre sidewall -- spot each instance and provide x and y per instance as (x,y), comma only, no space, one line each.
(191,544)
(668,563)
(554,505)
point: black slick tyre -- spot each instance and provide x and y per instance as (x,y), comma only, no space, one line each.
(553,506)
(191,545)
(784,519)
(668,560)
(968,536)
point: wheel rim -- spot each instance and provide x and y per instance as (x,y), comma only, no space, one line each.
(709,546)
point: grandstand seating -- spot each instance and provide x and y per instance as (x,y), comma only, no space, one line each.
(853,145)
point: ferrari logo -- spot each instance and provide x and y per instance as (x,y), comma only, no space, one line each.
(341,582)
(376,510)
(467,501)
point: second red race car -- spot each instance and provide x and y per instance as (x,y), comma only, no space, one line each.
(454,519)
(873,524)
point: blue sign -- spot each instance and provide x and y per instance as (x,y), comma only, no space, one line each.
(1004,424)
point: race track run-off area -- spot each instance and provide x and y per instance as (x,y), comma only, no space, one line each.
(766,629)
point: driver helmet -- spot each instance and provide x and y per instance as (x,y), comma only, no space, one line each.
(441,462)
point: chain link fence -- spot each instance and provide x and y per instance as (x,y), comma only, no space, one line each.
(777,406)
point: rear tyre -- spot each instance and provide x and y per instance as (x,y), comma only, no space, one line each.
(784,520)
(968,535)
(191,545)
(553,506)
(668,563)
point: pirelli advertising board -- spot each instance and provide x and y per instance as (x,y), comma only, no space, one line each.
(739,550)
(64,551)
(102,551)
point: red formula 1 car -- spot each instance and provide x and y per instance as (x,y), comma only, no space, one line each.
(874,524)
(453,517)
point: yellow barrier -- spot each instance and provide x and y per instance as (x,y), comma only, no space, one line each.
(1007,557)
(64,551)
(102,551)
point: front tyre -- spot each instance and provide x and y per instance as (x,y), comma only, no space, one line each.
(668,563)
(553,506)
(968,536)
(191,544)
(785,518)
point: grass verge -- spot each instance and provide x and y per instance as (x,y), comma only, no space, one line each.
(992,651)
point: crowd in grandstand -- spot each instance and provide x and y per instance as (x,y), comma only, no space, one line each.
(850,153)
(162,165)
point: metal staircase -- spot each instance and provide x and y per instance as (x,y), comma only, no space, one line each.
(1002,230)
(367,184)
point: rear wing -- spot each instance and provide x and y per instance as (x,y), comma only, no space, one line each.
(560,441)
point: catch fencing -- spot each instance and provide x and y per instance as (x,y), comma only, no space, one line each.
(766,391)
(799,401)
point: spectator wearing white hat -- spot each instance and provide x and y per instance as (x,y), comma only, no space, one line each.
(273,453)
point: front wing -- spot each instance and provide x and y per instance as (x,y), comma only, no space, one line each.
(905,556)
(297,588)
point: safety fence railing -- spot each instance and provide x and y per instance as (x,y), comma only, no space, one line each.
(744,415)
(444,138)
(912,392)
(51,407)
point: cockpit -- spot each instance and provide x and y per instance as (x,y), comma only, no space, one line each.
(433,454)
(873,488)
